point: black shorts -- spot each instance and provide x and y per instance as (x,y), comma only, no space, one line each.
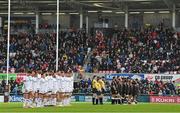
(94,90)
(134,94)
(99,93)
(103,91)
(114,92)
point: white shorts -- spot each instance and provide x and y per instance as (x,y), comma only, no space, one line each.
(34,89)
(28,89)
(37,89)
(42,91)
(54,91)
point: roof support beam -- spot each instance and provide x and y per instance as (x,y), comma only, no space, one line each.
(169,3)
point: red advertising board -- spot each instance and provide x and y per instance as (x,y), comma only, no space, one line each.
(165,99)
(20,77)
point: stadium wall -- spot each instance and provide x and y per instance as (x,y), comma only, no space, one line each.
(156,18)
(178,21)
(1,98)
(135,20)
(51,19)
(107,98)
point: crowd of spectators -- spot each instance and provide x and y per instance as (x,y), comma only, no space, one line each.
(149,50)
(15,87)
(158,88)
(146,87)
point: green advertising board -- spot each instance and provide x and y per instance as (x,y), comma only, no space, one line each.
(11,76)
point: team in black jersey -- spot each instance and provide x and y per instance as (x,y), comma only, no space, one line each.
(124,90)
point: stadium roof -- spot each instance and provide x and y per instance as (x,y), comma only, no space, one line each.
(88,5)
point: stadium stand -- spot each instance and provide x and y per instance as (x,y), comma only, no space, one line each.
(149,50)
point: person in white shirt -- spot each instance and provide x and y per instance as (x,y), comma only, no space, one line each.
(70,86)
(54,89)
(68,81)
(48,90)
(50,84)
(35,93)
(42,90)
(60,93)
(26,90)
(28,86)
(63,88)
(37,87)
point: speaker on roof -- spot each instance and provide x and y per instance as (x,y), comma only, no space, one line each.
(106,20)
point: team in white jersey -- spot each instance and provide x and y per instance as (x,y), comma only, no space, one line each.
(48,89)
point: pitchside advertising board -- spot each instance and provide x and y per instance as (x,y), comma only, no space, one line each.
(19,77)
(1,98)
(19,98)
(132,76)
(16,98)
(164,77)
(165,99)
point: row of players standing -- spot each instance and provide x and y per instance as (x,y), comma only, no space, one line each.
(124,90)
(48,88)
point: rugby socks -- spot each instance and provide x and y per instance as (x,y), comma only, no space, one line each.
(51,101)
(115,100)
(60,103)
(119,101)
(36,102)
(101,101)
(69,101)
(64,102)
(30,102)
(40,103)
(97,101)
(112,100)
(54,101)
(25,103)
(93,101)
(45,102)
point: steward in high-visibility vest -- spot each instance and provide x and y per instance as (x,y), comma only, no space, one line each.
(94,81)
(101,91)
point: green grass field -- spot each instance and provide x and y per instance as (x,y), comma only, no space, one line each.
(88,108)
